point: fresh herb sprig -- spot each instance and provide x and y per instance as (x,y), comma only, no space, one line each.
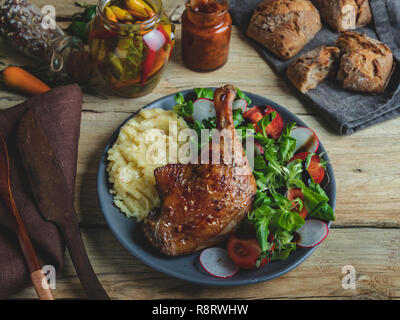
(80,20)
(206,93)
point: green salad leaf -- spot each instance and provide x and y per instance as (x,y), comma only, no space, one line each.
(241,95)
(264,122)
(283,245)
(274,175)
(273,216)
(183,108)
(323,211)
(179,98)
(237,117)
(204,93)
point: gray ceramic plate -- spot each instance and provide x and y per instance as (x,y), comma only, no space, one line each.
(188,268)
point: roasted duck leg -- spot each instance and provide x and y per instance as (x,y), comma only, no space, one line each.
(203,203)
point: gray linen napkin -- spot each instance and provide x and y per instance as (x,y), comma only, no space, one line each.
(345,111)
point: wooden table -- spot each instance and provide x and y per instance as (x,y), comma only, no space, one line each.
(365,235)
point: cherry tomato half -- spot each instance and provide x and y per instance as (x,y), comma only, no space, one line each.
(316,171)
(245,252)
(296,193)
(255,114)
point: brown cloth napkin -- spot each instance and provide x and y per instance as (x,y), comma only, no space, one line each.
(59,111)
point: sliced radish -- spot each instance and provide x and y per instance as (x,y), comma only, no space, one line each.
(216,261)
(203,109)
(312,233)
(240,104)
(258,147)
(306,140)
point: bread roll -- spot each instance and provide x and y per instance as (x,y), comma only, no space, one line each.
(284,26)
(364,15)
(366,64)
(311,68)
(342,15)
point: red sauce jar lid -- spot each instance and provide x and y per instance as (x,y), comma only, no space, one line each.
(206,12)
(208,6)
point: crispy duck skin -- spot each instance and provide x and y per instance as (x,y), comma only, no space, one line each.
(203,203)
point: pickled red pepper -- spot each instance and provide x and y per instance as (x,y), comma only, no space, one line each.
(151,55)
(148,65)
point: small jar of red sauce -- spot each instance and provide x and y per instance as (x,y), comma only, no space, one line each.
(206,33)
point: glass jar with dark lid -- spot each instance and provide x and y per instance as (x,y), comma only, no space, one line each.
(25,27)
(206,33)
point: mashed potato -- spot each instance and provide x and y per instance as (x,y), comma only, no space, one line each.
(144,143)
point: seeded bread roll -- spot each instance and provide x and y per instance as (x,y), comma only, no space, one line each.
(364,15)
(284,26)
(366,64)
(342,15)
(313,67)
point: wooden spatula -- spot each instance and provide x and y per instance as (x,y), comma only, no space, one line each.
(51,193)
(17,224)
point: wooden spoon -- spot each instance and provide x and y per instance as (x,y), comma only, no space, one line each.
(28,251)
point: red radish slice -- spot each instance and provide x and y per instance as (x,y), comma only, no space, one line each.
(216,261)
(312,233)
(258,147)
(203,109)
(240,104)
(306,140)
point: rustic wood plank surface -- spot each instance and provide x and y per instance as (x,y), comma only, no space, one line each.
(377,272)
(367,170)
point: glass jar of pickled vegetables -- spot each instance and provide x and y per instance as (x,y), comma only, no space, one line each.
(131,41)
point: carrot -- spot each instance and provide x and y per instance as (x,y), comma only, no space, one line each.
(18,79)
